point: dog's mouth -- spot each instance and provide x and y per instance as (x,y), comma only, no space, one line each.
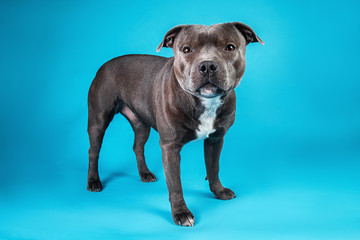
(209,90)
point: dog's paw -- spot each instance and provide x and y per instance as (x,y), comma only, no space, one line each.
(185,218)
(94,185)
(148,177)
(224,194)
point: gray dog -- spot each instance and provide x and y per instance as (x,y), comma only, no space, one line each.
(186,97)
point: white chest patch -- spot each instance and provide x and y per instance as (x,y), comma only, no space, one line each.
(207,118)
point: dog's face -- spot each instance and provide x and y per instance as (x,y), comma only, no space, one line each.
(209,60)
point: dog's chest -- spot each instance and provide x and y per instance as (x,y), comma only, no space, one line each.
(207,118)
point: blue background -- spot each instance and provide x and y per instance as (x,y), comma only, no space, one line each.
(292,156)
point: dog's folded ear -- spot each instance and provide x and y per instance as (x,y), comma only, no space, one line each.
(248,32)
(169,37)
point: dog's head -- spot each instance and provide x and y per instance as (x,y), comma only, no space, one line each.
(209,60)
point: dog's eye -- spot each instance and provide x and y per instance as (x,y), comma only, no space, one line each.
(187,50)
(230,48)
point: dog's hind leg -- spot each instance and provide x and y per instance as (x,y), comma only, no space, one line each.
(97,123)
(142,132)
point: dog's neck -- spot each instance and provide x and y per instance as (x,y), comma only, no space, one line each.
(207,118)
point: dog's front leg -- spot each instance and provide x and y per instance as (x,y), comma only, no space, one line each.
(212,150)
(171,162)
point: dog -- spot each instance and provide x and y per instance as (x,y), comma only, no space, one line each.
(186,97)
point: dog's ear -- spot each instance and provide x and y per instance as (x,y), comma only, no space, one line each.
(169,37)
(248,32)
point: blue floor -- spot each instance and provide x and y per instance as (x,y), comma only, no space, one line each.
(292,156)
(283,192)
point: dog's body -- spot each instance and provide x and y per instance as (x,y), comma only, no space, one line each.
(188,97)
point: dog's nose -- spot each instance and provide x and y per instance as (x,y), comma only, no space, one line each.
(208,68)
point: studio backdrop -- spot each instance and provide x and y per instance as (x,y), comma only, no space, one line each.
(291,157)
